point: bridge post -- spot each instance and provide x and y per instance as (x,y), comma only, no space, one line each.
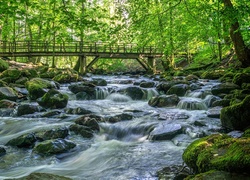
(151,63)
(83,64)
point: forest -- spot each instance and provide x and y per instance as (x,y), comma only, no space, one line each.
(196,32)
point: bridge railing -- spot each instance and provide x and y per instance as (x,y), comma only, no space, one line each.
(74,47)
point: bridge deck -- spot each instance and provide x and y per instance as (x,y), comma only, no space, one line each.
(103,50)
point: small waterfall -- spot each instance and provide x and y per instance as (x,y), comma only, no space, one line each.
(124,131)
(101,92)
(150,93)
(118,97)
(192,104)
(198,94)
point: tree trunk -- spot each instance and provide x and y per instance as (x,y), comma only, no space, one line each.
(241,50)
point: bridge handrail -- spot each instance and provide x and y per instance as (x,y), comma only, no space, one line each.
(74,46)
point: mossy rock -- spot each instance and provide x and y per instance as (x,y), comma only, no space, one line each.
(218,152)
(218,175)
(223,88)
(66,78)
(212,74)
(42,176)
(37,87)
(8,93)
(236,117)
(29,73)
(241,78)
(53,99)
(246,133)
(54,146)
(10,75)
(228,77)
(3,65)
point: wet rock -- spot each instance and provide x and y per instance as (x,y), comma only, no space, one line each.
(55,146)
(26,109)
(165,131)
(37,87)
(224,88)
(88,88)
(135,93)
(164,87)
(22,80)
(119,117)
(236,117)
(210,99)
(51,113)
(8,93)
(78,110)
(84,131)
(23,141)
(182,140)
(213,175)
(221,102)
(164,101)
(53,99)
(172,116)
(178,89)
(241,78)
(61,132)
(147,84)
(7,103)
(90,121)
(42,176)
(214,112)
(99,82)
(218,152)
(2,151)
(6,112)
(173,172)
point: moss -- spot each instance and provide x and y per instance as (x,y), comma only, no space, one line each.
(215,74)
(10,75)
(246,133)
(236,117)
(219,152)
(36,87)
(228,77)
(241,78)
(192,152)
(3,65)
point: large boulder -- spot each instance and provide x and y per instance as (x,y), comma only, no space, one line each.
(135,93)
(37,87)
(149,84)
(218,152)
(8,93)
(53,99)
(178,89)
(26,109)
(236,117)
(23,141)
(164,101)
(224,88)
(84,91)
(55,146)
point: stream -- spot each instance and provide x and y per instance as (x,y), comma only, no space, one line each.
(121,150)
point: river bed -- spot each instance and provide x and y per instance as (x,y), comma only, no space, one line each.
(121,150)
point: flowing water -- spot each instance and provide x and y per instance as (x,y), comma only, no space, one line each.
(120,150)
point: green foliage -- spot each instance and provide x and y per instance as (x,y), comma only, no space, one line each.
(3,65)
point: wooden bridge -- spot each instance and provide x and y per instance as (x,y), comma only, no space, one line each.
(144,55)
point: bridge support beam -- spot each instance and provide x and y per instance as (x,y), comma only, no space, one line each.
(83,64)
(92,62)
(151,63)
(140,61)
